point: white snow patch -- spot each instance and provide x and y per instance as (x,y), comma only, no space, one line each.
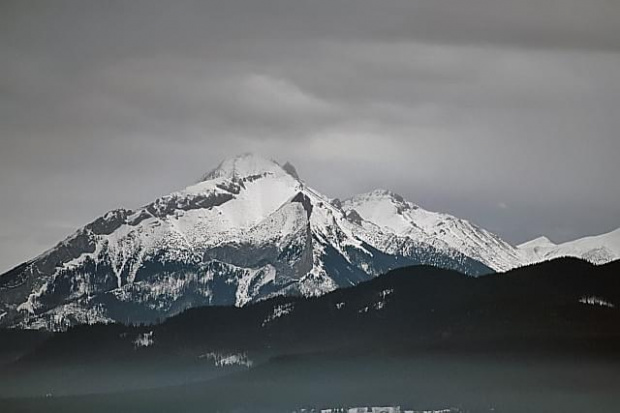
(31,304)
(144,340)
(64,316)
(244,293)
(339,306)
(279,311)
(226,360)
(385,293)
(593,300)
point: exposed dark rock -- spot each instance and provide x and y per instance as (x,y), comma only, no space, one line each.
(290,169)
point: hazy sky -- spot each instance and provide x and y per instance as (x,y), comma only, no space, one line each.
(503,112)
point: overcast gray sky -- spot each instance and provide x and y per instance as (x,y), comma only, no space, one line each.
(503,112)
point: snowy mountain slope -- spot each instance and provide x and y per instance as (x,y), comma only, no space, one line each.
(534,250)
(406,220)
(599,249)
(248,230)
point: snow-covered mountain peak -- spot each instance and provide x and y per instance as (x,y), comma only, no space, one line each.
(537,243)
(393,213)
(383,195)
(248,166)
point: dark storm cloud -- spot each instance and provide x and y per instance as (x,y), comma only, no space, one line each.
(504,112)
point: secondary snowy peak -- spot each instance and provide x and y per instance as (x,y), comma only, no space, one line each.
(540,242)
(393,213)
(385,209)
(599,249)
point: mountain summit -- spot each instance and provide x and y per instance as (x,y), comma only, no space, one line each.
(243,166)
(248,230)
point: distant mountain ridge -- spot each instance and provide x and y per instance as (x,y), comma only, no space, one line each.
(599,249)
(248,230)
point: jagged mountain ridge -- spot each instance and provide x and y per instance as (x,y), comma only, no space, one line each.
(248,230)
